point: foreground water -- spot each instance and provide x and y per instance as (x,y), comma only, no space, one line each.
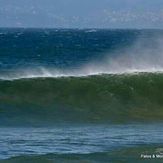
(84,140)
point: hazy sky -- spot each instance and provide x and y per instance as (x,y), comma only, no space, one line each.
(82,13)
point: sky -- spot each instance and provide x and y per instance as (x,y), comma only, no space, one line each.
(82,13)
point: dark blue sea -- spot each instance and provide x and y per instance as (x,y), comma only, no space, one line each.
(81,95)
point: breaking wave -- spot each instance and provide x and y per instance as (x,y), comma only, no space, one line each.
(97,98)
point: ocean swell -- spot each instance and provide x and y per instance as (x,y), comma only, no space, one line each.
(97,98)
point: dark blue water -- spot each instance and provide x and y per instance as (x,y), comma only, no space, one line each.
(62,48)
(59,48)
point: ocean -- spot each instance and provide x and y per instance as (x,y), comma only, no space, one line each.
(81,95)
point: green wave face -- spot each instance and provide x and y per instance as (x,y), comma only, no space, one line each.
(101,98)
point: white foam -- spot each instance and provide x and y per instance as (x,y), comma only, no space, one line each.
(50,73)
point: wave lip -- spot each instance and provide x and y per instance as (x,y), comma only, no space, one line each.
(54,73)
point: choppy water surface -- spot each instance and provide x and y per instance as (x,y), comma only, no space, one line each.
(77,139)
